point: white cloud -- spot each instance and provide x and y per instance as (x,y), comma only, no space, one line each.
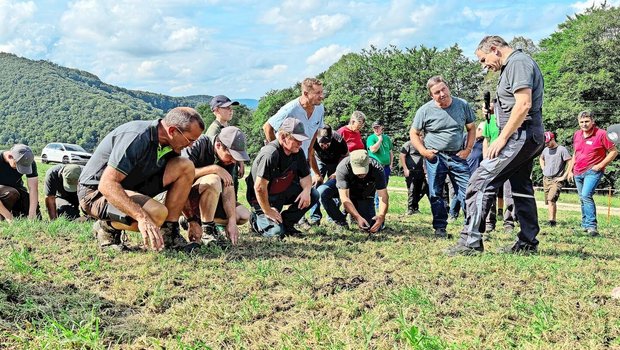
(272,72)
(13,14)
(582,6)
(326,25)
(425,14)
(294,21)
(327,55)
(182,39)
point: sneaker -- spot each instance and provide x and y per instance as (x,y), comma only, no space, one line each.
(552,223)
(410,212)
(489,229)
(108,237)
(210,235)
(416,211)
(171,233)
(314,222)
(183,222)
(592,232)
(441,233)
(461,249)
(519,248)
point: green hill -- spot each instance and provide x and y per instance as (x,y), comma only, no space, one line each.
(42,102)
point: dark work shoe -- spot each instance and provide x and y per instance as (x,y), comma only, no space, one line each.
(108,237)
(211,235)
(592,232)
(292,231)
(343,224)
(171,233)
(441,233)
(552,223)
(461,249)
(519,248)
(183,222)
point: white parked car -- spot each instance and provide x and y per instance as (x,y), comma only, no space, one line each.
(64,153)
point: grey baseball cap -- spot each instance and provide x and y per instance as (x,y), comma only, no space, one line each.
(234,139)
(295,127)
(23,157)
(613,133)
(221,101)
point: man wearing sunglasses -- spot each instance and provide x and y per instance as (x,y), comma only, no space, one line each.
(135,162)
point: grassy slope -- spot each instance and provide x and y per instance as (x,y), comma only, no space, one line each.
(332,289)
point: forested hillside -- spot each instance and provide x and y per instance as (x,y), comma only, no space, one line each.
(41,102)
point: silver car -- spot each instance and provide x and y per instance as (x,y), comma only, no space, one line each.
(64,153)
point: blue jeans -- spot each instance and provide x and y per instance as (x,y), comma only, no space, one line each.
(456,168)
(586,185)
(386,171)
(328,198)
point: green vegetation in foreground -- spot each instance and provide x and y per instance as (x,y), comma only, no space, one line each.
(333,289)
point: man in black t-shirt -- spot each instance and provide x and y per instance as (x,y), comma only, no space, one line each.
(61,191)
(280,175)
(412,163)
(329,149)
(15,200)
(132,164)
(358,177)
(212,197)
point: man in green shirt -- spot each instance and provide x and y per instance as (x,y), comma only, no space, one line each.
(380,148)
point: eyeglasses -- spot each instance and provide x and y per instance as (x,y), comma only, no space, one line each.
(186,139)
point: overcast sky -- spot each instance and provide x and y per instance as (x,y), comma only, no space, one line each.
(244,48)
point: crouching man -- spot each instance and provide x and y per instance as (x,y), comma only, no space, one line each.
(15,199)
(358,177)
(280,175)
(132,164)
(212,198)
(61,198)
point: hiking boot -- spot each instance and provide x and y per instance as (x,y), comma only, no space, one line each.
(171,233)
(292,231)
(343,224)
(592,232)
(183,222)
(441,233)
(461,249)
(519,248)
(552,223)
(108,237)
(211,235)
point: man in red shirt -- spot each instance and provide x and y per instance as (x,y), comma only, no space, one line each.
(593,151)
(351,132)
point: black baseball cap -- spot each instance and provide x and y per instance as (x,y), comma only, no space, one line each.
(221,101)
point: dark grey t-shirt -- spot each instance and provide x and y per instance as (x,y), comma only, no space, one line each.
(202,154)
(271,163)
(555,160)
(54,186)
(520,71)
(132,150)
(413,158)
(443,128)
(360,188)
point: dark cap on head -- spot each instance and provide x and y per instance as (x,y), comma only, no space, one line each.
(295,127)
(221,101)
(234,139)
(377,123)
(23,157)
(324,135)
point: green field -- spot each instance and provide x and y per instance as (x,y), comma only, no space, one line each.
(332,289)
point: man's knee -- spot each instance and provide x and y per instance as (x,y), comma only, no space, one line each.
(9,196)
(156,210)
(243,214)
(178,168)
(314,196)
(210,183)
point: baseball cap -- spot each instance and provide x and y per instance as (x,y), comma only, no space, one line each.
(359,162)
(324,135)
(295,127)
(23,157)
(377,123)
(221,101)
(70,175)
(613,133)
(548,136)
(234,139)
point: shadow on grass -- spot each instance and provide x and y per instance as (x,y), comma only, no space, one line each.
(42,313)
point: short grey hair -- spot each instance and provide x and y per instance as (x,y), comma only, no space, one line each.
(491,40)
(434,81)
(183,117)
(357,116)
(309,83)
(585,114)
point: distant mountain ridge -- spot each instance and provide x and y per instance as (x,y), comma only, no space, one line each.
(42,102)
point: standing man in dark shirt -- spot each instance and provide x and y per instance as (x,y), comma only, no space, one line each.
(358,178)
(413,168)
(280,175)
(15,200)
(61,198)
(511,155)
(212,197)
(329,149)
(132,164)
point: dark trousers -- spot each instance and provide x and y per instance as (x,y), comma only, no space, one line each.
(16,200)
(514,163)
(67,209)
(416,188)
(292,214)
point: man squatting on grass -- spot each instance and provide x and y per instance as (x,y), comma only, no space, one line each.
(61,198)
(359,178)
(132,164)
(279,176)
(213,197)
(511,155)
(15,200)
